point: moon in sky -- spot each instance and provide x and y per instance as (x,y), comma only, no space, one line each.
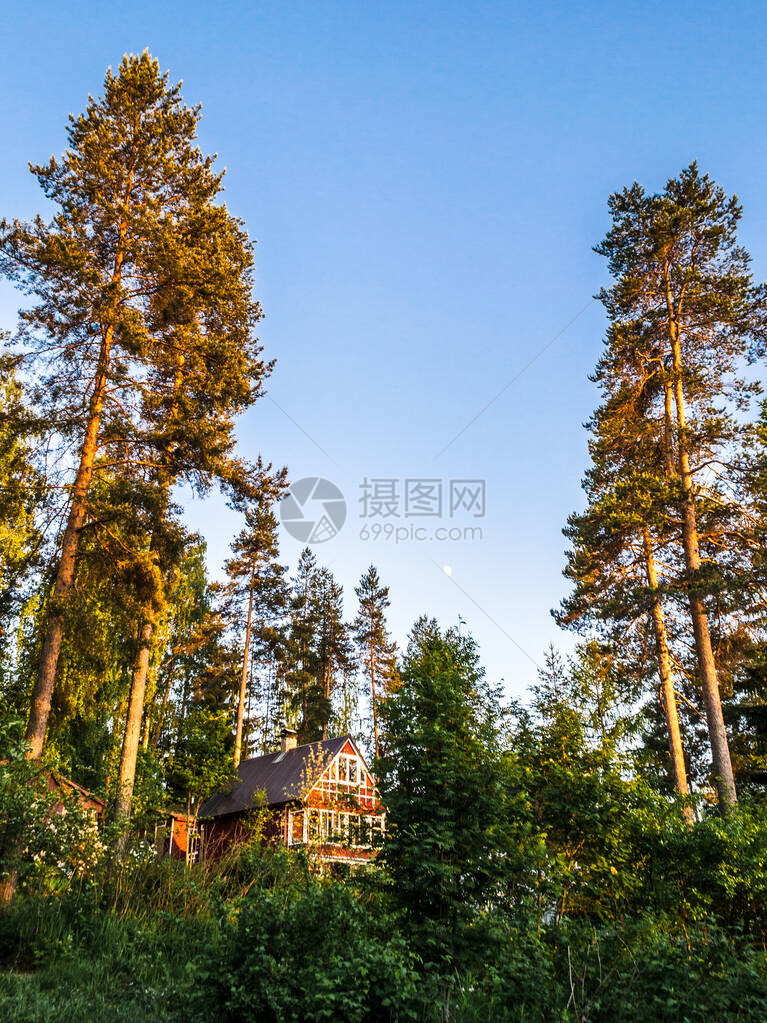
(447,569)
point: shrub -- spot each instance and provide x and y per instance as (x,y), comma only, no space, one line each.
(644,973)
(311,954)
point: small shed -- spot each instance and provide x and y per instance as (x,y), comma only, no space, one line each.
(65,788)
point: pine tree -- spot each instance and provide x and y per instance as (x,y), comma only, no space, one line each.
(207,380)
(139,276)
(257,580)
(683,293)
(377,653)
(613,559)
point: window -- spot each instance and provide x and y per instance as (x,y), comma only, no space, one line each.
(366,831)
(296,829)
(362,832)
(333,827)
(315,825)
(377,828)
(348,771)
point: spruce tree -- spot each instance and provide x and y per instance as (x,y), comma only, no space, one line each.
(299,666)
(317,654)
(443,781)
(333,653)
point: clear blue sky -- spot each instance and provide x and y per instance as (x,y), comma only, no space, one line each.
(425,182)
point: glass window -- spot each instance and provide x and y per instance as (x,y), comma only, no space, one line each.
(297,829)
(363,831)
(377,829)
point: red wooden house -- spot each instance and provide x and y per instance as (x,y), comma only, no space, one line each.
(320,796)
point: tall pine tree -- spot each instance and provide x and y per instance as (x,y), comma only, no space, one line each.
(256,580)
(131,264)
(683,291)
(376,651)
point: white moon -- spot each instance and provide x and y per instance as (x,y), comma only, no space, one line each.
(447,570)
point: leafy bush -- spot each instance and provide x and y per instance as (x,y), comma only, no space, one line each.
(314,954)
(646,974)
(46,836)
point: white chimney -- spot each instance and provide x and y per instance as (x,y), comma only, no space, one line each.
(288,739)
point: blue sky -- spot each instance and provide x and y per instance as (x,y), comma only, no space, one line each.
(426,182)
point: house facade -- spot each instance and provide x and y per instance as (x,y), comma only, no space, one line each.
(320,796)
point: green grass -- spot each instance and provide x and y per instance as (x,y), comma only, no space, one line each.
(76,993)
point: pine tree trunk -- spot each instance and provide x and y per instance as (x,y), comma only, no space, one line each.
(678,769)
(720,750)
(42,694)
(373,698)
(244,677)
(134,716)
(46,676)
(132,735)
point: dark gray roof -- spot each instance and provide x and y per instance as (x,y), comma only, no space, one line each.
(277,777)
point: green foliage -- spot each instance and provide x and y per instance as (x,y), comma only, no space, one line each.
(442,781)
(88,963)
(661,922)
(46,835)
(22,493)
(642,973)
(201,762)
(319,954)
